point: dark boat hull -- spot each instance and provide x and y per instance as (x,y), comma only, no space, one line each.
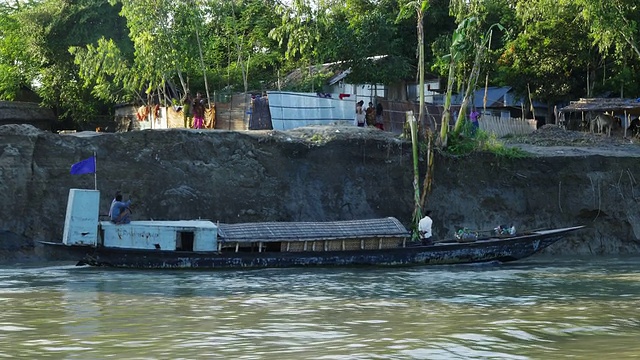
(502,250)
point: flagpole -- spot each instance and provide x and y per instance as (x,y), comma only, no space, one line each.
(95,173)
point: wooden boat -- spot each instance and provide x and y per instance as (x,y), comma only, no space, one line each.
(204,244)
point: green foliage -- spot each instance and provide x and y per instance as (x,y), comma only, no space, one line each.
(533,57)
(80,57)
(35,42)
(612,24)
(470,141)
(298,30)
(104,68)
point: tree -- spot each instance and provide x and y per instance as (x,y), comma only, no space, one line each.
(481,47)
(370,42)
(14,69)
(245,26)
(613,27)
(468,48)
(298,30)
(549,54)
(420,7)
(612,23)
(159,51)
(38,35)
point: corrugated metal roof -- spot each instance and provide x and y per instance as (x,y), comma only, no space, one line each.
(291,231)
(495,97)
(290,110)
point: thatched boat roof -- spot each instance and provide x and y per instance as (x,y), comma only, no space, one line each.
(620,106)
(300,231)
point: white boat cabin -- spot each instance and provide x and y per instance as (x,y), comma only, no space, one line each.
(183,235)
(82,227)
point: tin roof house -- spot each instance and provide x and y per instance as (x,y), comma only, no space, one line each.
(500,101)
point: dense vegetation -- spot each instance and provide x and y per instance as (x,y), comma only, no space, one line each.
(81,57)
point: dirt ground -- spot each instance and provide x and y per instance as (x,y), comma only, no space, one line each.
(551,140)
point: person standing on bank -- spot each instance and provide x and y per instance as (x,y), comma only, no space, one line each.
(474,116)
(379,119)
(360,115)
(370,114)
(198,112)
(424,229)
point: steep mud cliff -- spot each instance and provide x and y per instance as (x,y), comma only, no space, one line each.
(314,174)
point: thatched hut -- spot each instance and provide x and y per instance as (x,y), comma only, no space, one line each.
(625,109)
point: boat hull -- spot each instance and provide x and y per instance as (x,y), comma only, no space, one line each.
(502,250)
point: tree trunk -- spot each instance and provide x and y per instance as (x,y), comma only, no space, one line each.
(421,67)
(204,70)
(473,81)
(446,111)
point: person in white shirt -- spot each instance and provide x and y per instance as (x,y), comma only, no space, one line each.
(424,229)
(360,119)
(113,201)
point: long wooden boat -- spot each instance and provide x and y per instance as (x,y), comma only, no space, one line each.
(203,244)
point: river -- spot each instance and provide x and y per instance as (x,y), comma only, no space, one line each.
(541,308)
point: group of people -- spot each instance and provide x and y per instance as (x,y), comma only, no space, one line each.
(372,116)
(196,107)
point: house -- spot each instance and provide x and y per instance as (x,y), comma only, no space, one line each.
(500,101)
(18,112)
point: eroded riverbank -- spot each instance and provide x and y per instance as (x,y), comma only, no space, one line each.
(317,173)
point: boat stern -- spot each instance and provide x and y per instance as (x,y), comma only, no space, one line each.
(81,220)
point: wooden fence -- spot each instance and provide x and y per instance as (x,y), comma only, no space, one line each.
(506,126)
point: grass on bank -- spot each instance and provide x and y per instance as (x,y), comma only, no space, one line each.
(470,141)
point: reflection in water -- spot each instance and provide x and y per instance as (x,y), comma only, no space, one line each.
(529,310)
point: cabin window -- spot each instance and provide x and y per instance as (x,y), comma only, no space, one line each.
(271,246)
(251,247)
(184,241)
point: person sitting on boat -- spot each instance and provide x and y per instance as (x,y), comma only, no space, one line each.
(424,229)
(120,211)
(113,201)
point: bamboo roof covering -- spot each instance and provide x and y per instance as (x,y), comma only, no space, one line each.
(325,230)
(630,106)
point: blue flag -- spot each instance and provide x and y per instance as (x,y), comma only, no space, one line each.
(86,166)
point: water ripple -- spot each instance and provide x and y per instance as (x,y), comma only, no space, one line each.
(530,310)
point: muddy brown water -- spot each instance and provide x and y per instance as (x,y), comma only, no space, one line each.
(541,308)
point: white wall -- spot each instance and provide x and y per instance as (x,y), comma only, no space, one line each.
(366,93)
(146,234)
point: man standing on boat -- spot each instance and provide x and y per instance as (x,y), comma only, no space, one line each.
(424,229)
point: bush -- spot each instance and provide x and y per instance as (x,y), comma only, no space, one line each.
(471,140)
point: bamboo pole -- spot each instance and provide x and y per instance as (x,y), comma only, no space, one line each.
(417,213)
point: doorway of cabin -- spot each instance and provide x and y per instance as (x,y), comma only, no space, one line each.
(184,241)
